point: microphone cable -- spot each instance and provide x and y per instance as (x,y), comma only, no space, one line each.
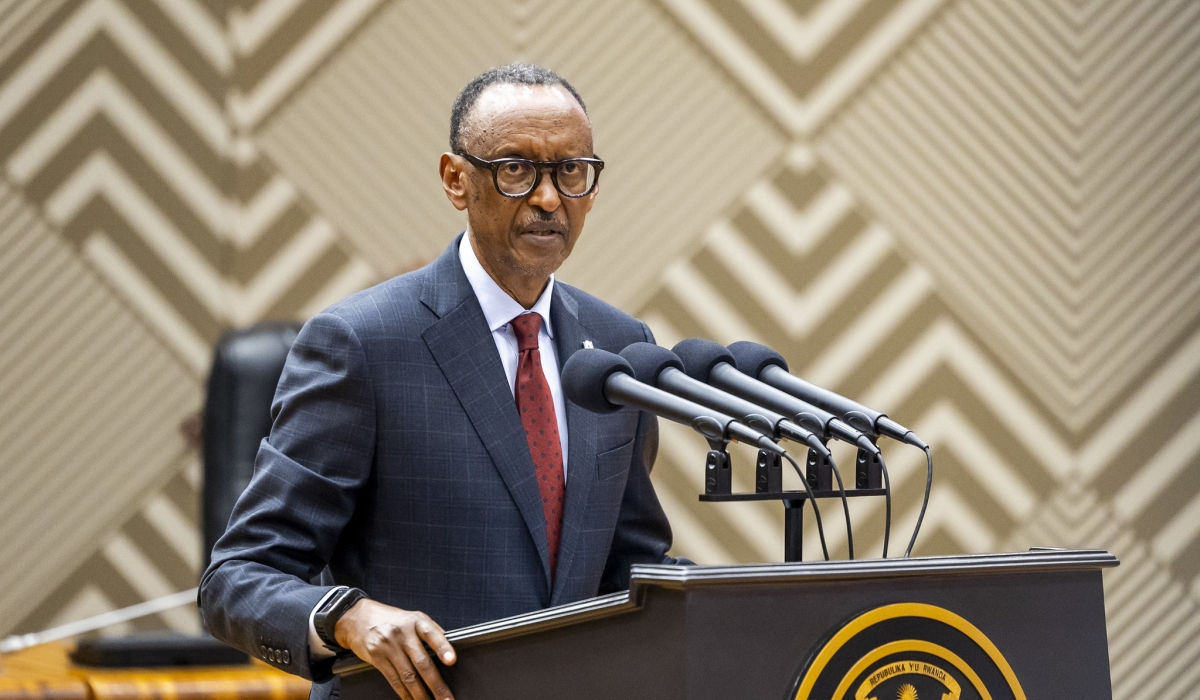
(925,501)
(816,510)
(845,508)
(887,499)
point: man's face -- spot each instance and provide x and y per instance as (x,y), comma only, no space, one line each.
(529,237)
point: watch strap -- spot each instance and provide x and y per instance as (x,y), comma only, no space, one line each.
(325,621)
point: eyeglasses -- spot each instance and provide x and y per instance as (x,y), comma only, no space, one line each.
(517,177)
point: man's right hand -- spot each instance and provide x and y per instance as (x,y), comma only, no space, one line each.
(393,641)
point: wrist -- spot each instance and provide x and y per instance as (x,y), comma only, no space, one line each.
(344,628)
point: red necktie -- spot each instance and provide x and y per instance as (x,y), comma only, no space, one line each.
(536,406)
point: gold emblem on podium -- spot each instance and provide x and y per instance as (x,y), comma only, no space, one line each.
(946,686)
(908,651)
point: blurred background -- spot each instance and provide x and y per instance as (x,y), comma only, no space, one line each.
(982,216)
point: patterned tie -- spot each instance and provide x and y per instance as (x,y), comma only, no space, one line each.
(536,406)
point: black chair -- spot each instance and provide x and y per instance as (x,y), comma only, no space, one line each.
(246,367)
(237,416)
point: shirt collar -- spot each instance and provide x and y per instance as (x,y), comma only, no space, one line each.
(498,307)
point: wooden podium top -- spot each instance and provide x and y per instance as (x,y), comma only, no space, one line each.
(45,673)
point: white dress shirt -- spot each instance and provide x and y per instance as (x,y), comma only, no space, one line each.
(499,309)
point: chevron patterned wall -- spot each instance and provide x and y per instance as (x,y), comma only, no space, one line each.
(979,215)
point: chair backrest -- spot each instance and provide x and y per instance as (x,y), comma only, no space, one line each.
(246,367)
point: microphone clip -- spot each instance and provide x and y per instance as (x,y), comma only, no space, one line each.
(868,469)
(718,468)
(768,473)
(819,471)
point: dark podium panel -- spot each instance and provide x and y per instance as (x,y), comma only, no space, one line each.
(999,625)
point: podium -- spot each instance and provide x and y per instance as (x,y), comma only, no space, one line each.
(994,626)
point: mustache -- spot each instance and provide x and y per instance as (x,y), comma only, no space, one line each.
(544,221)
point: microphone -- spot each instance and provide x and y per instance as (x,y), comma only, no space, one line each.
(709,362)
(658,366)
(769,367)
(706,362)
(601,382)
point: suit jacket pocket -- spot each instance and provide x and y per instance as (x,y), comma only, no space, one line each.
(615,462)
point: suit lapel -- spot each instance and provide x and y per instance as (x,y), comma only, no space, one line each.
(569,335)
(462,346)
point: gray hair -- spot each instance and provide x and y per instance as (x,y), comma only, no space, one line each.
(511,74)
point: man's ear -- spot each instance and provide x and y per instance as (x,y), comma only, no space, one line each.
(591,198)
(454,179)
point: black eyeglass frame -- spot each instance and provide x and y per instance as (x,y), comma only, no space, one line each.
(540,166)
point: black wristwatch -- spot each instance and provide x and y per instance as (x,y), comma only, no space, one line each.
(326,618)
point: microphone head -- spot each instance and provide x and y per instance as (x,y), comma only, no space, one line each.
(753,358)
(584,376)
(699,356)
(649,360)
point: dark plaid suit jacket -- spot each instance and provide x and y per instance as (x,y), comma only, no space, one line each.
(398,460)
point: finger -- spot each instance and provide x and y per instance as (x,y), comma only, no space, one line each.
(433,635)
(384,664)
(408,675)
(428,669)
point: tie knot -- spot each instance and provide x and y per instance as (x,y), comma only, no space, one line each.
(526,327)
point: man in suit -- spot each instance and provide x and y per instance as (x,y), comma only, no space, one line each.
(422,451)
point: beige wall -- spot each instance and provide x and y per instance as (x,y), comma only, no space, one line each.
(977,215)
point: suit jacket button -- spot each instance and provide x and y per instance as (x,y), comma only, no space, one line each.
(287,657)
(263,649)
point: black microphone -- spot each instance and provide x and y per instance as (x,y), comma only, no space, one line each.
(709,362)
(658,366)
(769,367)
(602,382)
